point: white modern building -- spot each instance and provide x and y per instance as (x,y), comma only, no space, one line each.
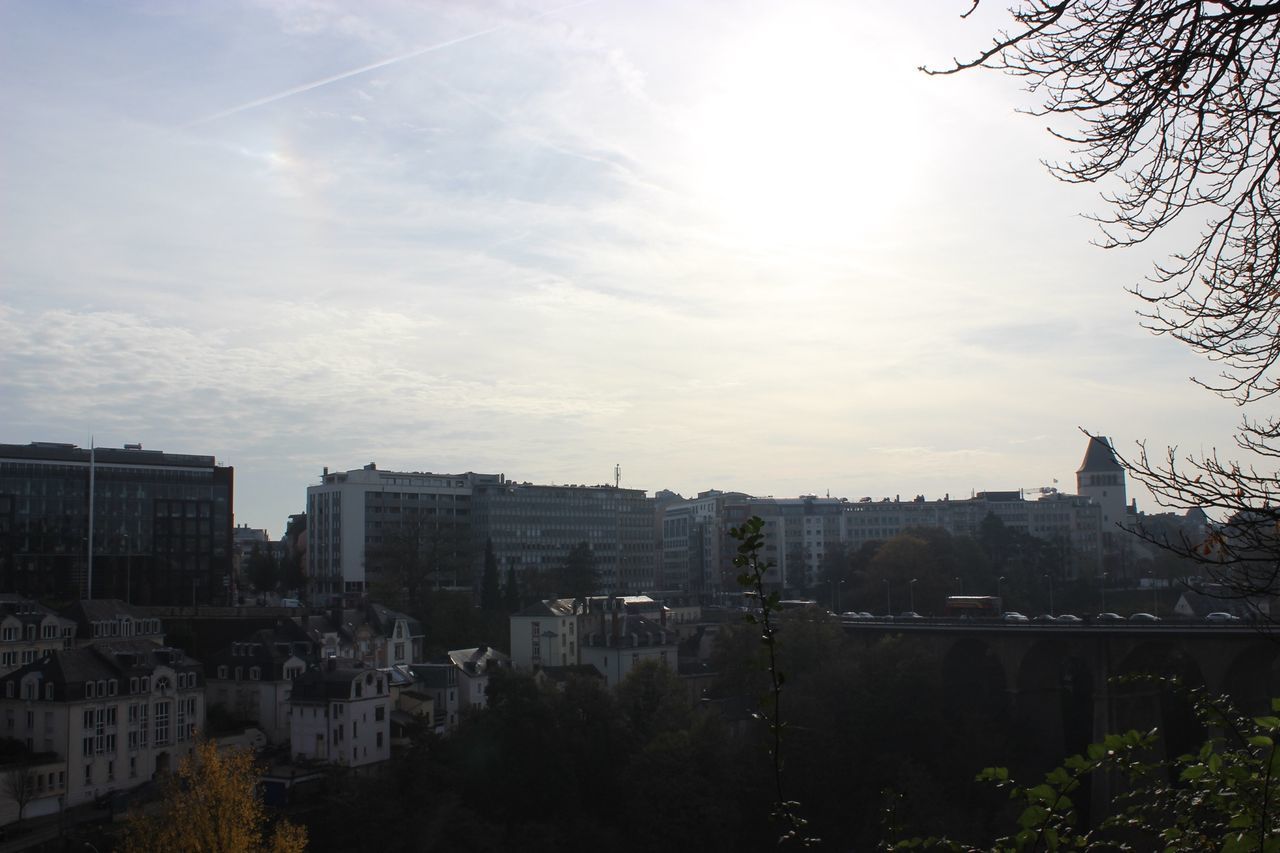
(350,514)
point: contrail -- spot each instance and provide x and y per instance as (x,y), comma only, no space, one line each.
(364,69)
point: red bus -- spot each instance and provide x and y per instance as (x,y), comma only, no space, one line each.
(973,606)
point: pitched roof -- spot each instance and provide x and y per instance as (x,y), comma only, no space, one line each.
(1099,456)
(549,607)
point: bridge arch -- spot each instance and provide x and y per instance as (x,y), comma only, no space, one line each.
(1142,704)
(1054,685)
(1252,677)
(974,678)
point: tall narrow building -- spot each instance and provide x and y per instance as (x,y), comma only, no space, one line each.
(1101,479)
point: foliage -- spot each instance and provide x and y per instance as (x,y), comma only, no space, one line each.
(1171,104)
(212,806)
(263,569)
(578,577)
(417,558)
(490,593)
(511,591)
(750,538)
(1225,796)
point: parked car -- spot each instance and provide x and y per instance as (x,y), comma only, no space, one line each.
(1044,617)
(909,615)
(1014,616)
(1108,617)
(1221,616)
(1069,618)
(1143,617)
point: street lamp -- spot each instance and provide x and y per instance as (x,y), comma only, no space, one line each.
(888,599)
(959,585)
(1104,592)
(1049,578)
(839,595)
(911,594)
(999,595)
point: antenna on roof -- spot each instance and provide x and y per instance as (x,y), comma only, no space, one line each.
(617,475)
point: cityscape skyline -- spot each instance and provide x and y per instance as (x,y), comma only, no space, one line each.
(757,251)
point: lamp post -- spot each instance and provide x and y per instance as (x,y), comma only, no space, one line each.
(959,585)
(911,595)
(839,595)
(1104,592)
(1049,578)
(999,595)
(888,599)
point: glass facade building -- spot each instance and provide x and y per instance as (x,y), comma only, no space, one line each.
(162,524)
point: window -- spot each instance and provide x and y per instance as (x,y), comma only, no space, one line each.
(255,673)
(133,767)
(379,740)
(88,689)
(162,723)
(222,671)
(88,774)
(379,713)
(111,771)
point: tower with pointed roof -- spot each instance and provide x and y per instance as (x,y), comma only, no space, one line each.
(1101,479)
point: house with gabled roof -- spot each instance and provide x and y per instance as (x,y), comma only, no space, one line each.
(29,630)
(341,714)
(546,634)
(252,679)
(102,619)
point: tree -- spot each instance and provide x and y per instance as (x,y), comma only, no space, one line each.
(212,806)
(1226,794)
(511,591)
(1172,101)
(578,577)
(264,569)
(19,784)
(490,593)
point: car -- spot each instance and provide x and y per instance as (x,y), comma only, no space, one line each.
(1014,616)
(1069,618)
(1143,617)
(1043,617)
(1221,616)
(909,615)
(1108,617)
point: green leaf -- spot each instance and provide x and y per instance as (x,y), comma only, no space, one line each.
(1261,740)
(1268,722)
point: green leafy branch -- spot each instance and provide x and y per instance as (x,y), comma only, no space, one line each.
(750,538)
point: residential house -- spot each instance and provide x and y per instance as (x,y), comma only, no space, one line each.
(341,714)
(29,631)
(253,679)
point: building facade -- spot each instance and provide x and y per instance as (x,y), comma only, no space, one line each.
(115,713)
(361,520)
(533,528)
(161,524)
(341,715)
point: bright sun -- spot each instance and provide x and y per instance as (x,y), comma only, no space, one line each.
(804,139)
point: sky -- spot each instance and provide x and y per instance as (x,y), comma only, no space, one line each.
(735,245)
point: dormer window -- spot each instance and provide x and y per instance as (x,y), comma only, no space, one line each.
(88,689)
(111,687)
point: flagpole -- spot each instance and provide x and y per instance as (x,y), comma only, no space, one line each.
(89,595)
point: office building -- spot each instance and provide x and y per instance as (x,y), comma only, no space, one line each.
(161,524)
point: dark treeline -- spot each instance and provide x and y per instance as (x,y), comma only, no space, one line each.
(645,767)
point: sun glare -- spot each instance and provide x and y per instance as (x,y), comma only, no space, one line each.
(803,139)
